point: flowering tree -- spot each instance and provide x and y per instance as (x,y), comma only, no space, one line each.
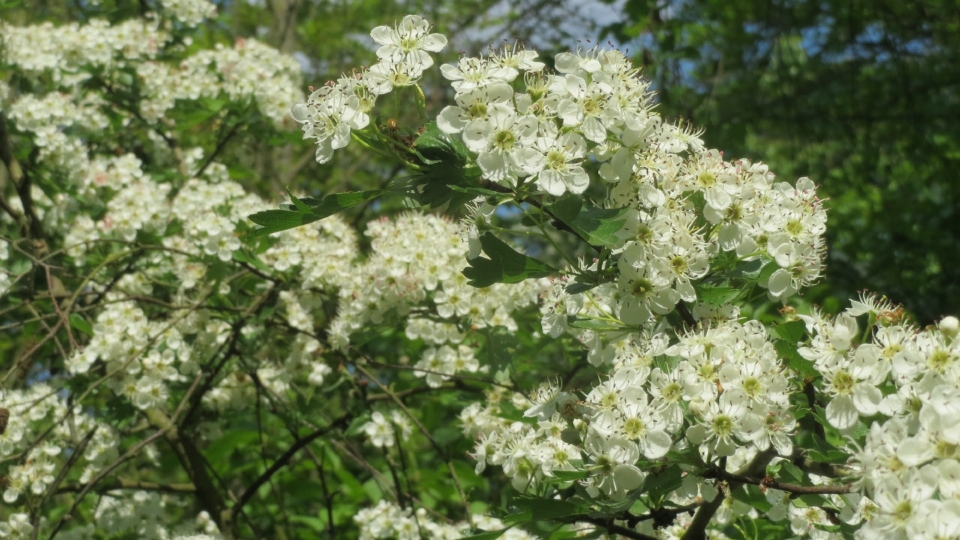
(563,336)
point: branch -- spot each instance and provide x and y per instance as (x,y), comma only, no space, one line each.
(612,527)
(769,482)
(122,483)
(21,181)
(697,530)
(282,461)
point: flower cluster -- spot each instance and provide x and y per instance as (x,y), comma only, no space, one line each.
(387,521)
(249,70)
(903,381)
(332,111)
(30,413)
(722,389)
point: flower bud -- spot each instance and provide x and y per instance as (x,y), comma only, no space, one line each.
(950,327)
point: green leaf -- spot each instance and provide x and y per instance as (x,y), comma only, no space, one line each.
(548,509)
(449,175)
(81,324)
(434,146)
(598,226)
(488,535)
(660,484)
(593,324)
(306,211)
(799,364)
(300,205)
(792,332)
(504,264)
(752,495)
(500,347)
(568,476)
(716,294)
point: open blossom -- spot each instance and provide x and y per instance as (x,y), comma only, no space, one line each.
(328,116)
(504,144)
(408,42)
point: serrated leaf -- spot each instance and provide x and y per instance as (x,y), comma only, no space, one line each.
(548,509)
(500,347)
(593,324)
(578,287)
(488,535)
(569,476)
(503,264)
(272,221)
(752,495)
(434,146)
(79,323)
(792,332)
(799,364)
(660,484)
(597,226)
(716,295)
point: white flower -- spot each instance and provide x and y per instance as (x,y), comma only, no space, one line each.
(379,430)
(328,116)
(562,171)
(474,104)
(503,144)
(613,466)
(723,422)
(408,42)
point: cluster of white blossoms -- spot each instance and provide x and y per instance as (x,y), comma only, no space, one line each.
(146,515)
(722,389)
(64,51)
(248,70)
(332,111)
(382,430)
(39,427)
(189,12)
(903,383)
(416,258)
(387,521)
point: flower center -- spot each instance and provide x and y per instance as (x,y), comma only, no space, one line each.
(752,387)
(723,425)
(678,264)
(843,383)
(641,287)
(939,361)
(477,110)
(633,428)
(505,140)
(794,227)
(706,179)
(556,160)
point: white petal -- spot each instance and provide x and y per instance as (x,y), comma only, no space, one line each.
(449,120)
(841,413)
(300,112)
(627,477)
(913,451)
(779,282)
(384,35)
(434,42)
(866,398)
(657,444)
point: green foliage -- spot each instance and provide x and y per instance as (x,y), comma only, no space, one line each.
(503,264)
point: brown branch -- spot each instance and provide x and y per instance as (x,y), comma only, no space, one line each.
(122,483)
(612,527)
(285,458)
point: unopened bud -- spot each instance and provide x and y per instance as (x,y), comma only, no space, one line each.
(950,327)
